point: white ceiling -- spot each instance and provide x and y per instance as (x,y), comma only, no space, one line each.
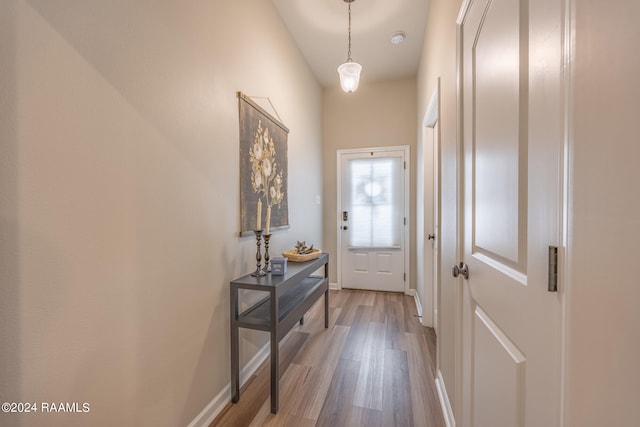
(319,28)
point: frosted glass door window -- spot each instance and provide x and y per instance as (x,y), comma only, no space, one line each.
(375,211)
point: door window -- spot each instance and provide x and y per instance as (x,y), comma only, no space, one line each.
(376,206)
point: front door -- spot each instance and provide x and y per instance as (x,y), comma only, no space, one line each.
(512,122)
(372,218)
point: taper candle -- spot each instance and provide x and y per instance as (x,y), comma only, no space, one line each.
(259,219)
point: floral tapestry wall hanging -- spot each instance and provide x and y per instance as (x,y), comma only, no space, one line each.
(263,169)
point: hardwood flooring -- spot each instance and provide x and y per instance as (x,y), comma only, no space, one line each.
(373,367)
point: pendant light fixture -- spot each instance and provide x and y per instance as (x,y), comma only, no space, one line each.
(349,71)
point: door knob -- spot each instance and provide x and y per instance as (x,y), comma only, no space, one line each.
(431,237)
(463,269)
(344,227)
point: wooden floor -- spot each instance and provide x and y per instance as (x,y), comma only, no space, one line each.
(374,366)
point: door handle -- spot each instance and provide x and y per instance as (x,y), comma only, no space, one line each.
(344,227)
(431,237)
(462,269)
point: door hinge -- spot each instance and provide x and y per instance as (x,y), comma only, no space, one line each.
(405,220)
(405,165)
(553,269)
(404,277)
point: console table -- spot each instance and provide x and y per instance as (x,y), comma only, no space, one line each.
(290,297)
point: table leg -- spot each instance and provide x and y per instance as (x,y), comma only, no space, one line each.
(326,308)
(326,296)
(275,358)
(275,372)
(235,353)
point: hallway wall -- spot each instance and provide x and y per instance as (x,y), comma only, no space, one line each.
(376,115)
(439,61)
(119,209)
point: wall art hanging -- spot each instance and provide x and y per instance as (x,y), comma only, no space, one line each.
(263,169)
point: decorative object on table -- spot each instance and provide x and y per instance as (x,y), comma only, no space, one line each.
(259,271)
(278,266)
(267,265)
(302,248)
(301,253)
(263,167)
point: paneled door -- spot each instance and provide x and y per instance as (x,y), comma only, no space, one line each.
(372,218)
(511,209)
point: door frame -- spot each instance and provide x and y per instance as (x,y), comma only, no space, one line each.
(407,204)
(430,120)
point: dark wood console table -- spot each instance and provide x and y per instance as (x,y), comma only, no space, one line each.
(290,297)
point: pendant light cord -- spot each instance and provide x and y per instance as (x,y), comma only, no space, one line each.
(349,51)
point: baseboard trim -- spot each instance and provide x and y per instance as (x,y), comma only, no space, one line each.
(213,408)
(334,287)
(418,304)
(445,404)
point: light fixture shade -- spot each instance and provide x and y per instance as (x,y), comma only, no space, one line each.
(349,76)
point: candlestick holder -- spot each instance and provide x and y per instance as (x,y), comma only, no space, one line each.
(267,264)
(259,271)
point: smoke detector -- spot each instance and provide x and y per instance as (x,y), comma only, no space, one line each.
(398,37)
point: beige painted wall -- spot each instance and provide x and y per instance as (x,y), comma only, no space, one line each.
(439,60)
(119,207)
(376,115)
(604,230)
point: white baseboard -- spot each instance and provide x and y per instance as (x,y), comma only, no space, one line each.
(334,286)
(414,294)
(213,408)
(418,303)
(445,404)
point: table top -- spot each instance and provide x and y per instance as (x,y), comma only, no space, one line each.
(293,269)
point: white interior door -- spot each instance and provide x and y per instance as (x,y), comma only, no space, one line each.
(372,219)
(511,137)
(430,233)
(421,206)
(433,232)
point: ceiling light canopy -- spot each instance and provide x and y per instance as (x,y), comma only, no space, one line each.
(349,71)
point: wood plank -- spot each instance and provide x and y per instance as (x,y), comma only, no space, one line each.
(337,408)
(370,379)
(349,307)
(397,408)
(309,401)
(378,313)
(289,347)
(290,383)
(338,298)
(425,404)
(354,346)
(395,325)
(365,417)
